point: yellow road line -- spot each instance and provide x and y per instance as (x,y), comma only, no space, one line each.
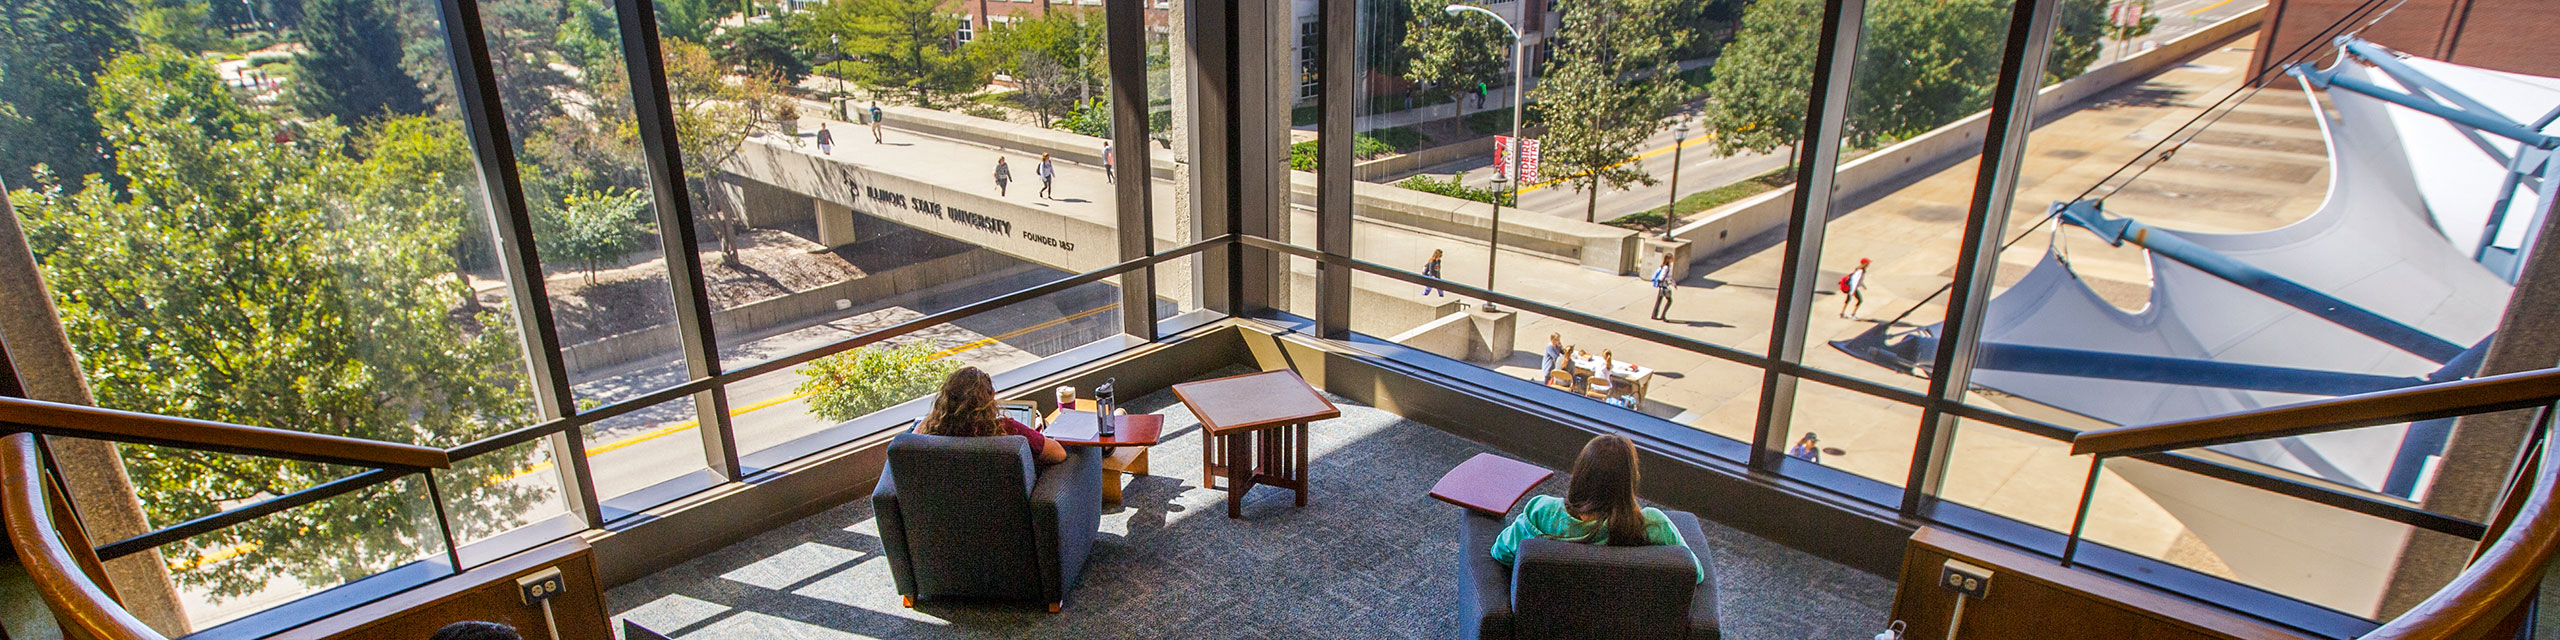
(2209,7)
(1639,158)
(689,424)
(215,557)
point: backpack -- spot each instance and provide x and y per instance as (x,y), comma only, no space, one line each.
(1844,284)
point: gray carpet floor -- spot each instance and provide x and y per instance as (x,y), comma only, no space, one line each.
(1371,556)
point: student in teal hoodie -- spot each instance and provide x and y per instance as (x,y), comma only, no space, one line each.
(1599,508)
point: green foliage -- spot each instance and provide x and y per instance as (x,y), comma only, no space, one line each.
(856,383)
(901,46)
(1922,65)
(350,67)
(1451,54)
(988,111)
(1091,117)
(2079,35)
(1499,120)
(183,25)
(1613,80)
(692,20)
(592,228)
(243,280)
(762,48)
(1057,58)
(1450,187)
(50,53)
(1383,26)
(1302,155)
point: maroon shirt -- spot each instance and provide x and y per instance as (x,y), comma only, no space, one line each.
(1038,442)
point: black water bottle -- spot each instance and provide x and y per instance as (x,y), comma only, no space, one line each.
(1104,404)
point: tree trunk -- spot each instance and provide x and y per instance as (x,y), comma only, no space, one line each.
(1592,214)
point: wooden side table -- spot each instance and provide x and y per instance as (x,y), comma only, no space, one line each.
(1489,484)
(1124,452)
(1256,428)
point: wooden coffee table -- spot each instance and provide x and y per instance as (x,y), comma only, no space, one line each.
(1256,431)
(1489,484)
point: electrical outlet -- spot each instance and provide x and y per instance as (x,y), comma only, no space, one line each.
(541,585)
(1965,579)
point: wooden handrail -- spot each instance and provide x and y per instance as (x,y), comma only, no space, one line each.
(2462,397)
(2479,600)
(77,602)
(53,418)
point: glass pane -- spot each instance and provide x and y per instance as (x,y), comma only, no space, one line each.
(1853,432)
(270,220)
(1623,126)
(248,567)
(1908,162)
(643,448)
(2037,481)
(2347,561)
(500,491)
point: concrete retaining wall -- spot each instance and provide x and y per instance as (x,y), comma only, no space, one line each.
(1036,234)
(1071,147)
(1594,246)
(755,317)
(1861,179)
(1446,336)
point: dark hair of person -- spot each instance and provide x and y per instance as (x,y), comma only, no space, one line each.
(1603,491)
(967,407)
(476,630)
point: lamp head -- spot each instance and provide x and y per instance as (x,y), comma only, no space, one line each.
(1454,9)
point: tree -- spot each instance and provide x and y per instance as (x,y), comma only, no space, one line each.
(906,46)
(51,52)
(1613,80)
(350,65)
(856,383)
(245,280)
(1056,58)
(763,48)
(2080,33)
(1383,26)
(184,25)
(592,228)
(1757,100)
(715,114)
(1452,54)
(692,21)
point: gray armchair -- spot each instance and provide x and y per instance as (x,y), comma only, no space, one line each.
(1571,590)
(971,517)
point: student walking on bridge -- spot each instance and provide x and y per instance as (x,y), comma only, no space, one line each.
(1048,173)
(1851,288)
(826,139)
(1004,176)
(1109,174)
(1662,286)
(875,122)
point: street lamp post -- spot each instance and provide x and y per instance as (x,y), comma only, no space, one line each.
(1671,212)
(1509,173)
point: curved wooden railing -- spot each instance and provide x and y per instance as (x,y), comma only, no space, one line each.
(2523,537)
(2461,397)
(65,569)
(77,599)
(54,418)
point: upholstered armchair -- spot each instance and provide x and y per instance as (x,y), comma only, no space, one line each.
(1557,590)
(973,517)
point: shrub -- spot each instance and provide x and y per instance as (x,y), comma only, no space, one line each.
(855,383)
(1450,187)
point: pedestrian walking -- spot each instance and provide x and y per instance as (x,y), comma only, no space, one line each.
(875,122)
(1554,356)
(826,139)
(1480,95)
(1004,175)
(1807,448)
(1048,174)
(1852,288)
(1662,286)
(1110,169)
(1432,270)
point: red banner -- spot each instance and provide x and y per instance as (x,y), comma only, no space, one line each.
(1528,161)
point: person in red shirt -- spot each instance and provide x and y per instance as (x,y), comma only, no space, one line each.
(967,409)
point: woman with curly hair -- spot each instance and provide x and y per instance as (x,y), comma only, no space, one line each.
(967,409)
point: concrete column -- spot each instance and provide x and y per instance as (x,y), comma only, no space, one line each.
(835,223)
(92,469)
(2481,453)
